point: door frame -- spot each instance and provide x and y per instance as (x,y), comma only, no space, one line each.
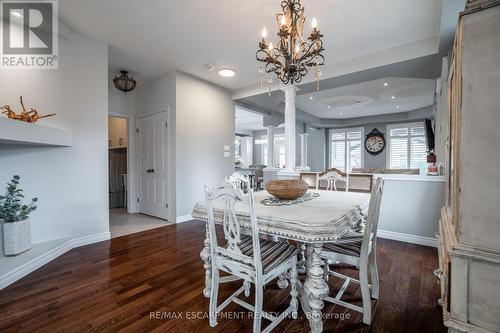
(131,159)
(136,160)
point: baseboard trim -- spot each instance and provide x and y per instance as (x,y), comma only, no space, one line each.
(414,239)
(183,218)
(32,265)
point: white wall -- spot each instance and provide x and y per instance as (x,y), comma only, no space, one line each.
(204,124)
(119,102)
(71,183)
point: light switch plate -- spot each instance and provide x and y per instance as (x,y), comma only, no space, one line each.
(227,148)
(227,154)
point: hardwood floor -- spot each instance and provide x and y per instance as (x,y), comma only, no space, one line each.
(152,282)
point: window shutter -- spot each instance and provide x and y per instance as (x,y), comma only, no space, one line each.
(398,152)
(407,146)
(345,149)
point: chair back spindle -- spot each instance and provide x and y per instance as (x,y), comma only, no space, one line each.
(221,202)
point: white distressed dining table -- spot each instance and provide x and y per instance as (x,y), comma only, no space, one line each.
(311,223)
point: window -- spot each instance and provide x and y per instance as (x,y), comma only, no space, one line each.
(345,148)
(407,147)
(279,150)
(263,142)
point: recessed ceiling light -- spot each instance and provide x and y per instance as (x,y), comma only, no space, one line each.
(386,84)
(310,97)
(393,97)
(341,113)
(17,13)
(329,107)
(227,72)
(397,106)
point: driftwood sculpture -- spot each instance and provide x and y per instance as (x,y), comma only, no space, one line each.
(31,116)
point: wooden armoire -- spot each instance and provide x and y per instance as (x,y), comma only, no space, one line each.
(467,120)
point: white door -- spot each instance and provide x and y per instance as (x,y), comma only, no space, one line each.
(153,165)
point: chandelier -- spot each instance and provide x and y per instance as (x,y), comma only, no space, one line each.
(124,82)
(293,56)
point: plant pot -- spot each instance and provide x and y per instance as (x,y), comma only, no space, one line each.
(16,237)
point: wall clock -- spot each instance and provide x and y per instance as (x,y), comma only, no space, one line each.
(375,142)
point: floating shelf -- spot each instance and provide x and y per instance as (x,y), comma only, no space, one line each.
(15,132)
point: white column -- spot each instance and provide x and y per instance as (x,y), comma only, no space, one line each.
(289,171)
(270,147)
(303,152)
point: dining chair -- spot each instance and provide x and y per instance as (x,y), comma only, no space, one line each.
(331,178)
(248,258)
(238,180)
(358,248)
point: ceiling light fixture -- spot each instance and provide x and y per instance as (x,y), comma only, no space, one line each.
(293,54)
(227,72)
(341,113)
(386,84)
(393,97)
(310,97)
(329,106)
(397,106)
(124,82)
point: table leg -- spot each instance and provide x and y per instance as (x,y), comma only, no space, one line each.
(207,264)
(315,287)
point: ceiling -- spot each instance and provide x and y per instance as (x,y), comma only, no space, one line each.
(378,97)
(248,121)
(152,37)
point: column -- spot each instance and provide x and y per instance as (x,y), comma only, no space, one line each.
(303,152)
(289,171)
(270,147)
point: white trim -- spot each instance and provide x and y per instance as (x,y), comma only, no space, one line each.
(183,218)
(32,265)
(414,239)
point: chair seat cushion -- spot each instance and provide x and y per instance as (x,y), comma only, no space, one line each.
(349,244)
(272,253)
(350,249)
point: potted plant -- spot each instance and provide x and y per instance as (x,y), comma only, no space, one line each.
(14,217)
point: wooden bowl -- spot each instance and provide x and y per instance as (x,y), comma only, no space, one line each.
(289,189)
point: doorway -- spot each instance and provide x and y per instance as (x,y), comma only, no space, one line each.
(117,162)
(153,165)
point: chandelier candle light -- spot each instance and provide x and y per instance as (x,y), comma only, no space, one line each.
(290,60)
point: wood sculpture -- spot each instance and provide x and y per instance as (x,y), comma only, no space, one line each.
(31,116)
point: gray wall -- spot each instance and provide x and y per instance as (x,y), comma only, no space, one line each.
(204,124)
(71,183)
(316,149)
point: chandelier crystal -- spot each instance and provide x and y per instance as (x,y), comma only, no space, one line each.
(292,56)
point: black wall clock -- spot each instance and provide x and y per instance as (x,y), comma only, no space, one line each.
(375,142)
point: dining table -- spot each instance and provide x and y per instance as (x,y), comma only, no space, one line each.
(325,218)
